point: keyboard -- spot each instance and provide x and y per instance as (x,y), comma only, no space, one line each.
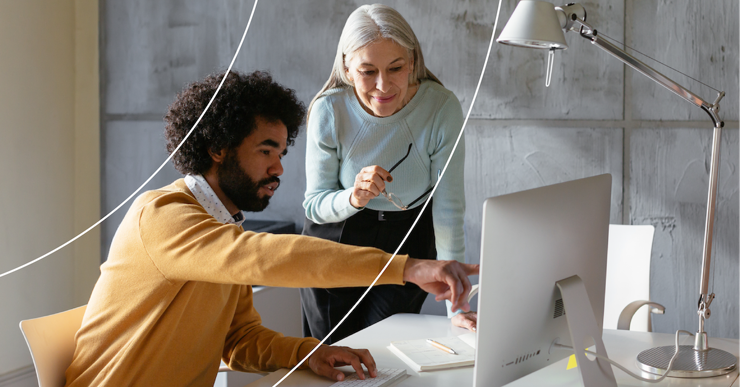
(386,377)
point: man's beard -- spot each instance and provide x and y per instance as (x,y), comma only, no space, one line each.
(240,188)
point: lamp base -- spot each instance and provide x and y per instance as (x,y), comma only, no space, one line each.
(689,363)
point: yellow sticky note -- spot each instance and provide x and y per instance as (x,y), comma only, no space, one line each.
(572,362)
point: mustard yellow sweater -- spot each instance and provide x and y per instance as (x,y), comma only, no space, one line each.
(174,296)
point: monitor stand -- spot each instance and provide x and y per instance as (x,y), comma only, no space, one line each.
(584,332)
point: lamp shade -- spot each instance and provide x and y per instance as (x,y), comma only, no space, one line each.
(534,24)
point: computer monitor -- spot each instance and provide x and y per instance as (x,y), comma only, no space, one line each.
(531,240)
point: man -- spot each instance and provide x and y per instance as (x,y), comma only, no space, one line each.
(174,296)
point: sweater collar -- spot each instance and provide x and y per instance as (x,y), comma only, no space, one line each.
(207,198)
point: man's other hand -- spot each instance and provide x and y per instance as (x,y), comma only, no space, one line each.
(447,280)
(468,320)
(323,361)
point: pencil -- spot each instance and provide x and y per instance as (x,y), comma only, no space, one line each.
(442,347)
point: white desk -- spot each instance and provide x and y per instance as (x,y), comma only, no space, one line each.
(622,346)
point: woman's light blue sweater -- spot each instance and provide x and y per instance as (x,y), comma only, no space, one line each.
(343,138)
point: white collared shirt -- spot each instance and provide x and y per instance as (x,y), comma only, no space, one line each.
(207,198)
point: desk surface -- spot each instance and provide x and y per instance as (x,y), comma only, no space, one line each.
(622,346)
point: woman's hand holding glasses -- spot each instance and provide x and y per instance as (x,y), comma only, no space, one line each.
(369,183)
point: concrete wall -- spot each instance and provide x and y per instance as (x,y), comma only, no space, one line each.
(49,152)
(596,117)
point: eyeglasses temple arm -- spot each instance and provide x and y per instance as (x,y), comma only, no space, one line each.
(400,161)
(425,193)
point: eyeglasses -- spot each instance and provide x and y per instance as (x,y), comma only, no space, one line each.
(395,199)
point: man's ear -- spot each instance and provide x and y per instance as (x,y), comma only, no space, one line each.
(217,157)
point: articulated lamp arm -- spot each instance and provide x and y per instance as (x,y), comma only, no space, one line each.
(537,24)
(572,18)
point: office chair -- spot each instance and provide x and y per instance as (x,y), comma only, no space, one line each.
(628,278)
(51,341)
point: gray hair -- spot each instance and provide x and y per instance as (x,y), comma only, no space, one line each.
(366,25)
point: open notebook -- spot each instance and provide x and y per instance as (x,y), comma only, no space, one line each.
(422,356)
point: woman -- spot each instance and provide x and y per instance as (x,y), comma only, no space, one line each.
(381,111)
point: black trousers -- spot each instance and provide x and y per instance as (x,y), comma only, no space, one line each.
(322,309)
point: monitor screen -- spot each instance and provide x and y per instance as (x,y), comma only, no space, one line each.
(531,240)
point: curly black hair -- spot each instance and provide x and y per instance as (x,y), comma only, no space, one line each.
(231,117)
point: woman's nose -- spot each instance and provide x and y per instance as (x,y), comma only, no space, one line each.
(382,83)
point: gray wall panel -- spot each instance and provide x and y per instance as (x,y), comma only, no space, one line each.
(198,38)
(670,173)
(700,40)
(166,44)
(295,41)
(134,150)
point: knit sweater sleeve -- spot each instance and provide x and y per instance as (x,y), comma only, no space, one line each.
(448,207)
(449,199)
(326,201)
(251,347)
(185,243)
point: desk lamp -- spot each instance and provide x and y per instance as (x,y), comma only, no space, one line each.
(539,24)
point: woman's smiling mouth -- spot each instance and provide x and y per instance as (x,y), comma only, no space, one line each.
(384,99)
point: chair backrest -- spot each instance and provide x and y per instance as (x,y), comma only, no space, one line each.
(51,340)
(628,273)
